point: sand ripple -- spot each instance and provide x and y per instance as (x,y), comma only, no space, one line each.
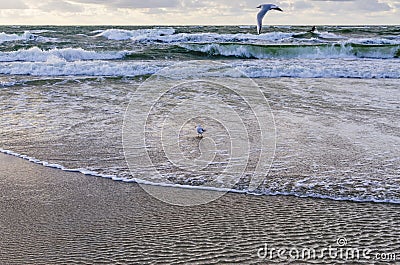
(54,217)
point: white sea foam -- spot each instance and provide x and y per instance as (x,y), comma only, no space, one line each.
(135,35)
(292,51)
(168,36)
(271,68)
(55,67)
(26,36)
(328,35)
(36,54)
(7,84)
(38,31)
(52,165)
(15,37)
(145,182)
(328,68)
(375,41)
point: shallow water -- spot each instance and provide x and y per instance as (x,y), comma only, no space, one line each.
(335,138)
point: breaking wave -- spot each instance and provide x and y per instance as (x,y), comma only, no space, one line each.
(322,51)
(79,68)
(135,35)
(36,54)
(263,68)
(15,37)
(26,36)
(168,35)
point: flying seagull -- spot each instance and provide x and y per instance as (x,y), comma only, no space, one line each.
(264,9)
(200,130)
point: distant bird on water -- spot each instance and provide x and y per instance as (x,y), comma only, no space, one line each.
(264,9)
(200,130)
(313,30)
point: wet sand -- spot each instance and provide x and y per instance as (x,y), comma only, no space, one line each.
(53,217)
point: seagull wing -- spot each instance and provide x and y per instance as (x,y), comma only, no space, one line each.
(260,17)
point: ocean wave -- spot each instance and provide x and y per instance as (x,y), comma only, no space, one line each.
(327,68)
(270,68)
(15,37)
(36,54)
(323,51)
(375,41)
(79,68)
(262,192)
(26,36)
(135,35)
(168,36)
(38,31)
(327,36)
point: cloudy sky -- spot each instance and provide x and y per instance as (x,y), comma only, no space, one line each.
(196,12)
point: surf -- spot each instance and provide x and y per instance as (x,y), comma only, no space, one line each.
(259,192)
(318,51)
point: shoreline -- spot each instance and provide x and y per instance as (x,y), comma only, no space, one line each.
(90,173)
(51,217)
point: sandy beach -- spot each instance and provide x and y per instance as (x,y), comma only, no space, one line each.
(53,217)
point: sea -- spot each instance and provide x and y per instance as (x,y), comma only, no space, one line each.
(287,112)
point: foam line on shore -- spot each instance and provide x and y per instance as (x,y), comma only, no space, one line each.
(171,185)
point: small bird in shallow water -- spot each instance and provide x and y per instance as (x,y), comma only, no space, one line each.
(264,9)
(200,130)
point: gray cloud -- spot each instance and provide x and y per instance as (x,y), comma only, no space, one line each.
(372,5)
(299,5)
(235,6)
(205,11)
(15,4)
(60,5)
(333,0)
(353,6)
(182,4)
(132,3)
